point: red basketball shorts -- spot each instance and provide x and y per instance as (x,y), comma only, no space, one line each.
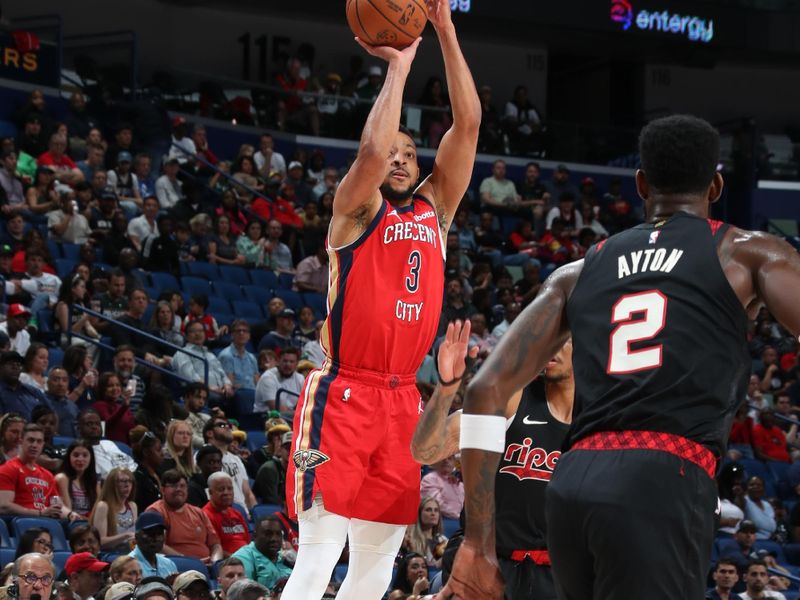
(352,444)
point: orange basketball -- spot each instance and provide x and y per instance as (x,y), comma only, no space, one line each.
(394,23)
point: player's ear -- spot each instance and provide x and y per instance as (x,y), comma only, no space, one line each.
(716,187)
(642,186)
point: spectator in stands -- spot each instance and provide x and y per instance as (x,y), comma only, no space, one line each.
(169,189)
(124,364)
(15,396)
(68,319)
(222,244)
(198,305)
(115,513)
(523,123)
(560,183)
(230,571)
(455,306)
(229,524)
(725,576)
(11,426)
(200,226)
(147,450)
(107,454)
(182,147)
(113,406)
(740,440)
(34,372)
(44,287)
(312,273)
(137,304)
(282,377)
(279,254)
(557,246)
(161,325)
(144,226)
(200,139)
(157,410)
(65,409)
(78,119)
(51,457)
(239,364)
(35,539)
(769,440)
(442,485)
(161,252)
(237,221)
(283,335)
(126,185)
(270,484)
(566,211)
(192,585)
(15,325)
(730,483)
(114,302)
(195,396)
(411,577)
(12,196)
(193,368)
(425,537)
(209,461)
(306,329)
(245,171)
(123,142)
(14,233)
(252,245)
(329,183)
(150,534)
(218,432)
(191,205)
(268,161)
(65,168)
(511,312)
(755,579)
(26,489)
(296,178)
(101,220)
(490,138)
(82,376)
(263,557)
(179,453)
(142,169)
(589,216)
(33,140)
(126,569)
(189,531)
(33,574)
(758,510)
(84,538)
(77,479)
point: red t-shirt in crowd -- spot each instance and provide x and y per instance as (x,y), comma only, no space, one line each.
(118,417)
(230,526)
(32,487)
(772,442)
(47,159)
(742,432)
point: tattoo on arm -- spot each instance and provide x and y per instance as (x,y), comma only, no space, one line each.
(430,436)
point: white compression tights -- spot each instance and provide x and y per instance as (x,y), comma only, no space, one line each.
(373,547)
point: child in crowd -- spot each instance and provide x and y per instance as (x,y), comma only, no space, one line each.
(198,304)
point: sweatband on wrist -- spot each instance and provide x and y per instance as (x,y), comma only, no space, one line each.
(483,432)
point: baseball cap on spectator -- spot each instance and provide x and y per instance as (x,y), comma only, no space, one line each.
(6,250)
(120,591)
(278,428)
(240,436)
(153,585)
(150,520)
(746,525)
(304,366)
(295,164)
(287,438)
(178,121)
(84,561)
(375,71)
(275,423)
(184,580)
(124,156)
(286,313)
(335,77)
(587,181)
(44,169)
(18,310)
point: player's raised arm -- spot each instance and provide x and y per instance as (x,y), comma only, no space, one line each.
(357,198)
(533,338)
(452,169)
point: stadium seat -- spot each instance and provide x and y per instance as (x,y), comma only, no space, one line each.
(229,291)
(60,440)
(195,285)
(224,318)
(44,320)
(64,267)
(285,280)
(164,281)
(187,563)
(55,357)
(5,538)
(773,548)
(60,559)
(125,448)
(293,299)
(71,251)
(264,510)
(756,468)
(55,249)
(218,305)
(256,438)
(259,295)
(339,573)
(265,279)
(318,304)
(203,269)
(450,527)
(7,555)
(22,524)
(236,275)
(242,511)
(246,309)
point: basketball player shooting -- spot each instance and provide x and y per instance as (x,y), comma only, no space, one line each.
(352,473)
(658,316)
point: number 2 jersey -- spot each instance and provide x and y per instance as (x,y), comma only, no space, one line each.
(659,335)
(385,291)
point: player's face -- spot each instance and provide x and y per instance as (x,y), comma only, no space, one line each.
(402,171)
(560,366)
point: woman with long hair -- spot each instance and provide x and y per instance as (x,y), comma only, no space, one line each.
(11,426)
(231,209)
(74,294)
(251,245)
(162,324)
(114,408)
(77,479)
(35,539)
(411,576)
(148,454)
(158,409)
(82,375)
(115,513)
(42,196)
(84,538)
(426,536)
(34,371)
(222,244)
(179,448)
(731,491)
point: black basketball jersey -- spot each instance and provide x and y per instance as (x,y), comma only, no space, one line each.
(533,446)
(659,335)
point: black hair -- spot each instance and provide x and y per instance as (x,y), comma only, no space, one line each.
(89,475)
(172,476)
(679,154)
(25,542)
(200,300)
(405,131)
(726,560)
(401,581)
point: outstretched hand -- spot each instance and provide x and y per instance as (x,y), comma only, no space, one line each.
(474,575)
(403,57)
(439,12)
(451,359)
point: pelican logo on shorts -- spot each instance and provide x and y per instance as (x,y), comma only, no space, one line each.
(306,460)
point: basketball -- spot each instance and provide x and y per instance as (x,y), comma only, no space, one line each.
(394,23)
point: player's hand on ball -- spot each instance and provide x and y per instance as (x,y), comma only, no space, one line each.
(439,12)
(453,351)
(391,55)
(474,575)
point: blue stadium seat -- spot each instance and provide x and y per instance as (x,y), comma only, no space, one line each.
(256,438)
(7,555)
(187,563)
(60,440)
(22,524)
(125,448)
(317,302)
(55,249)
(218,305)
(293,299)
(44,319)
(64,266)
(264,510)
(450,527)
(233,274)
(71,251)
(265,279)
(229,291)
(285,280)
(224,318)
(203,269)
(242,511)
(60,559)
(339,573)
(55,356)
(756,468)
(772,548)
(148,312)
(246,309)
(259,295)
(5,538)
(164,281)
(195,285)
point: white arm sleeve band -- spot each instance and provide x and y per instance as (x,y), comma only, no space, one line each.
(483,432)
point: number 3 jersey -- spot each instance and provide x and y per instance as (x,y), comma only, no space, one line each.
(659,335)
(385,291)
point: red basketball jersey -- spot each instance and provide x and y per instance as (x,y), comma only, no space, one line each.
(385,292)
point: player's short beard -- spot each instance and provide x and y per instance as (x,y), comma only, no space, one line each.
(395,196)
